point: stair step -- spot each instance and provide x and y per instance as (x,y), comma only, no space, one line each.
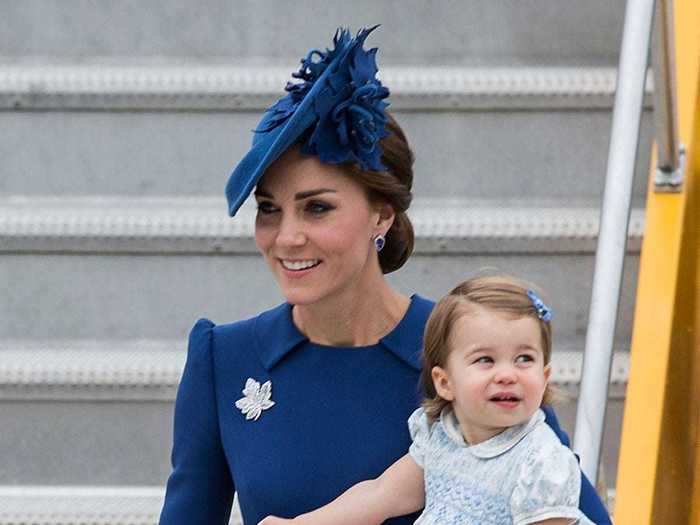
(140,370)
(180,130)
(200,225)
(197,86)
(100,413)
(89,505)
(470,31)
(85,505)
(112,268)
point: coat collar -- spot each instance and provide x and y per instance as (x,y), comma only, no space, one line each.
(276,334)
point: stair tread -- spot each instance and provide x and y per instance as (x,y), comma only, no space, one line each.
(197,85)
(59,222)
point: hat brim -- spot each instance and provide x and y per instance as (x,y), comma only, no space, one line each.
(270,145)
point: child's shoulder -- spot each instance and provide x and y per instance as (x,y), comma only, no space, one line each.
(544,439)
(545,454)
(420,428)
(548,483)
(418,423)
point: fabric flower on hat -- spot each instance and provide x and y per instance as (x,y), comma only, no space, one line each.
(350,107)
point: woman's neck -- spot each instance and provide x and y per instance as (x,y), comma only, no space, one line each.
(355,318)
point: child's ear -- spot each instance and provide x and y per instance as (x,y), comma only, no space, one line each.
(441,382)
(547,372)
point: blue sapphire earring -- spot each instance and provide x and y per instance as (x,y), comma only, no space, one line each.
(379,242)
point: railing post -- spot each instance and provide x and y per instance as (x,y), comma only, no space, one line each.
(612,240)
(670,154)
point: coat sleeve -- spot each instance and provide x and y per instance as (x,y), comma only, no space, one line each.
(200,488)
(589,501)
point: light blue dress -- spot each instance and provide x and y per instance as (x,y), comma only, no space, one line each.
(522,475)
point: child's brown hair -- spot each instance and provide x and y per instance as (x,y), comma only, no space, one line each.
(500,293)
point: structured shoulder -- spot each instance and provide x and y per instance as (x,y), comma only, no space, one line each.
(266,336)
(200,337)
(236,329)
(261,322)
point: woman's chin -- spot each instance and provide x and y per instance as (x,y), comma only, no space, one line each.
(300,297)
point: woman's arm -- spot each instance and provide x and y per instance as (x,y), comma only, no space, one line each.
(399,490)
(200,489)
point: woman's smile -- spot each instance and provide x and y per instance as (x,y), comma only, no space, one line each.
(299,265)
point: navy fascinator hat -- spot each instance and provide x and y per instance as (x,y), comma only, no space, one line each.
(337,110)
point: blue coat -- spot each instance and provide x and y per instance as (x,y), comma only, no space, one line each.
(339,417)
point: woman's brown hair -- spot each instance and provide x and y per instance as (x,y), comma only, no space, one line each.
(393,187)
(500,293)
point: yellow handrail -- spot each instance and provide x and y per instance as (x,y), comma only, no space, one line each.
(659,468)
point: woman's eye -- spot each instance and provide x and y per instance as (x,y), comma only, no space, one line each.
(265,207)
(318,208)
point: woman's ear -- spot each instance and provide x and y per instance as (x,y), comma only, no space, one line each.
(441,382)
(385,218)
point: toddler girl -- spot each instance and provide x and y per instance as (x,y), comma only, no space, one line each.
(481,451)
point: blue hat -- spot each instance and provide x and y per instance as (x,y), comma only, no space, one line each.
(337,112)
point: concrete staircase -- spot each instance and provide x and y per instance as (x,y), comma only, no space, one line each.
(121,122)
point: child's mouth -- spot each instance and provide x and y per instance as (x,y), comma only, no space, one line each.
(505,400)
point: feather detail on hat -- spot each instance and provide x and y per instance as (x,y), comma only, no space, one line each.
(349,106)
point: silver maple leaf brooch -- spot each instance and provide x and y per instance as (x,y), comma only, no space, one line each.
(255,398)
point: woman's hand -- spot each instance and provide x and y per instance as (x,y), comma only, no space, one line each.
(274,520)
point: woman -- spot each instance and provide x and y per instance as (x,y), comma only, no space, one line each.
(289,408)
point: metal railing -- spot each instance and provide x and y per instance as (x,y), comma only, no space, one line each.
(612,240)
(670,153)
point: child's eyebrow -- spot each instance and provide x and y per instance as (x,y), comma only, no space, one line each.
(478,348)
(529,347)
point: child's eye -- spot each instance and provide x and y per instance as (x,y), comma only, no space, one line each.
(266,207)
(318,208)
(524,358)
(484,359)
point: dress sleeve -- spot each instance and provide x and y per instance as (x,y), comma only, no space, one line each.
(200,488)
(548,485)
(589,503)
(419,428)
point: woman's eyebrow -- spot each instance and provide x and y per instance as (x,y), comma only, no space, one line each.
(298,196)
(262,193)
(312,193)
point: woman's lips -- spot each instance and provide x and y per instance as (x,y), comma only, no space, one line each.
(299,264)
(295,268)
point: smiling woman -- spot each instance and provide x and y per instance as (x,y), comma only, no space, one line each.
(290,408)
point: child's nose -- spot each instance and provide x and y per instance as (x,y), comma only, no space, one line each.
(505,374)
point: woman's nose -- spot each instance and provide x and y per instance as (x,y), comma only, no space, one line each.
(290,233)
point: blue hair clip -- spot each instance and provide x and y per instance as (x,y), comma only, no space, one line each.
(544,312)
